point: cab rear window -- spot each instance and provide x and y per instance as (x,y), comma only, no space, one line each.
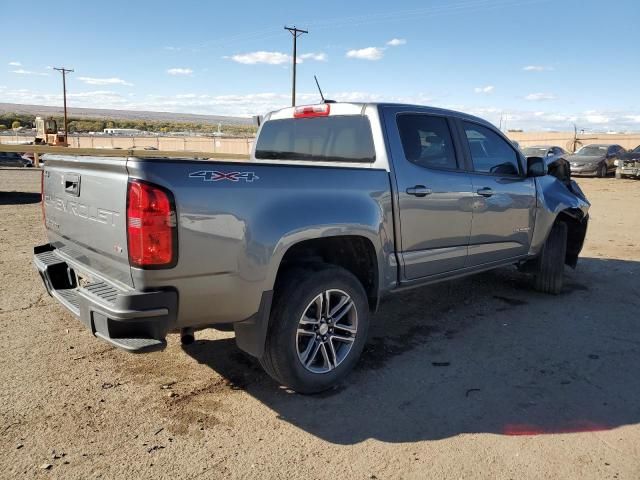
(336,138)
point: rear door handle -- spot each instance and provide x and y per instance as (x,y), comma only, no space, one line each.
(485,192)
(419,191)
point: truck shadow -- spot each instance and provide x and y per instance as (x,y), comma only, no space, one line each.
(479,355)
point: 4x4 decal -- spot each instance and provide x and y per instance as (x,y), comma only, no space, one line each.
(215,176)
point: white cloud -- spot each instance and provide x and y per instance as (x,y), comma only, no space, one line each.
(253,103)
(592,120)
(15,64)
(318,57)
(486,89)
(536,68)
(93,99)
(22,71)
(538,97)
(598,118)
(252,58)
(172,49)
(96,94)
(396,42)
(369,53)
(197,102)
(179,71)
(104,81)
(275,58)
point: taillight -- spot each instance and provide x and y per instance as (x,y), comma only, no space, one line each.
(151,226)
(305,111)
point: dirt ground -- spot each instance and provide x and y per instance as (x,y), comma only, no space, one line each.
(476,378)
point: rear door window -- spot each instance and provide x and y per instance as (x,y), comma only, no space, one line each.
(426,140)
(490,153)
(339,138)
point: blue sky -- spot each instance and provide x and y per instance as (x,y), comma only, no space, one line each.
(538,64)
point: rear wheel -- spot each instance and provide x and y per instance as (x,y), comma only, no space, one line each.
(317,330)
(549,274)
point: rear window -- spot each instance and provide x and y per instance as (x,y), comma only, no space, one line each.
(592,150)
(535,152)
(326,139)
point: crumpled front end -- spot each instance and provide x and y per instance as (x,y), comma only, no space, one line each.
(629,168)
(560,198)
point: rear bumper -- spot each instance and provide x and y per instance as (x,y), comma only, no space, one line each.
(132,320)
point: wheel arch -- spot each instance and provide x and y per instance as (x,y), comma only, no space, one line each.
(355,252)
(576,223)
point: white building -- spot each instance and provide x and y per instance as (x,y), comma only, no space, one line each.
(122,131)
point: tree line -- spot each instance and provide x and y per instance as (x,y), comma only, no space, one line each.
(84,125)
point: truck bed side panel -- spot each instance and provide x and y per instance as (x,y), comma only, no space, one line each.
(237,220)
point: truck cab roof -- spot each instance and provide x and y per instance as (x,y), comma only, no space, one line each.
(360,108)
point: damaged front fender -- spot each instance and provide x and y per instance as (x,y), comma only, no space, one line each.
(560,199)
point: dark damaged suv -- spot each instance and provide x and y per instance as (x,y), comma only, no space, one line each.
(629,164)
(339,205)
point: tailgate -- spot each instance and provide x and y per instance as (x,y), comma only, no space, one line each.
(85,201)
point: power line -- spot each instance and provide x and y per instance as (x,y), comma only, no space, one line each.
(397,15)
(452,8)
(295,32)
(64,72)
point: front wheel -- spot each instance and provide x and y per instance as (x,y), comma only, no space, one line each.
(317,329)
(602,170)
(549,274)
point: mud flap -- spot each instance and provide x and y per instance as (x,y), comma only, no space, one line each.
(252,332)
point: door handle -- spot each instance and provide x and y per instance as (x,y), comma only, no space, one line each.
(419,191)
(72,184)
(485,192)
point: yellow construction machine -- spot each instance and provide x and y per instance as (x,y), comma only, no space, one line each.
(47,133)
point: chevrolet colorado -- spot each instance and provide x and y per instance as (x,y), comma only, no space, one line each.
(339,205)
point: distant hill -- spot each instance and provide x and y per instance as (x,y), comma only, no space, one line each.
(103,113)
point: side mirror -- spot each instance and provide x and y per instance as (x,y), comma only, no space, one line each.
(536,167)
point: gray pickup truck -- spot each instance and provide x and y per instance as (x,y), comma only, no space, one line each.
(339,205)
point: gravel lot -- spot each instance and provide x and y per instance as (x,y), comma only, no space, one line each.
(476,378)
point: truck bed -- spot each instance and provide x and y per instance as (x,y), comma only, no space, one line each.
(234,220)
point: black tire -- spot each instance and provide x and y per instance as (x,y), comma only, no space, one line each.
(602,170)
(294,294)
(549,275)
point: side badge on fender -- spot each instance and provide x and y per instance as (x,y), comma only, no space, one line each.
(215,176)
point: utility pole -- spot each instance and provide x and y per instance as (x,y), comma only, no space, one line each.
(296,32)
(64,72)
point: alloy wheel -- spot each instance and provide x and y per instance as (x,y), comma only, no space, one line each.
(326,331)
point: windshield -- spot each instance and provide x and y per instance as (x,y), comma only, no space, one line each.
(535,151)
(337,138)
(592,150)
